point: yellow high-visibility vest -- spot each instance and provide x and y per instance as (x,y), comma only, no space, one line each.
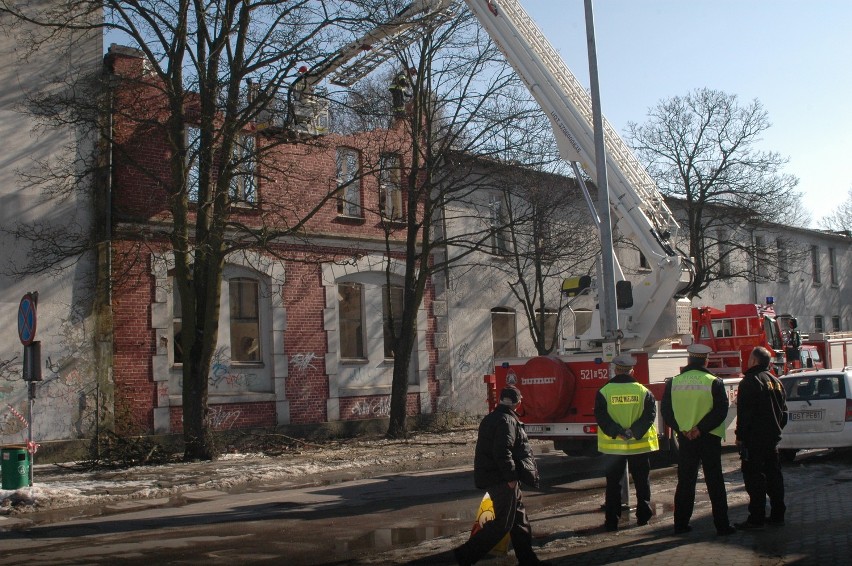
(625,403)
(692,399)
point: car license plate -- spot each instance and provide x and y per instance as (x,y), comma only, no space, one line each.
(533,429)
(806,416)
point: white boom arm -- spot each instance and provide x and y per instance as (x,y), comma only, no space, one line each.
(639,210)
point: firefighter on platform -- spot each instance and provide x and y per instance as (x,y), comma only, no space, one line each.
(401,91)
(695,405)
(793,344)
(625,411)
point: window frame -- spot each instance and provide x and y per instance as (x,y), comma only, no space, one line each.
(832,267)
(243,186)
(359,351)
(235,333)
(348,175)
(499,242)
(819,324)
(504,346)
(390,187)
(815,266)
(193,173)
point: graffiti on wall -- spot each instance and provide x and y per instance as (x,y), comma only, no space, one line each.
(468,359)
(220,418)
(302,362)
(372,408)
(65,403)
(224,376)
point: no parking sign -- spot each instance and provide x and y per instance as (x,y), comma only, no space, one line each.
(26,332)
(27,318)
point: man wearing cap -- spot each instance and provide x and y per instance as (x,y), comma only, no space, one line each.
(695,405)
(503,456)
(625,412)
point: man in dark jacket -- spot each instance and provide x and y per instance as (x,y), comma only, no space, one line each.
(503,456)
(625,411)
(761,414)
(695,405)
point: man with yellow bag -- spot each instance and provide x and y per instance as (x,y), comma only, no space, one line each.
(625,411)
(502,460)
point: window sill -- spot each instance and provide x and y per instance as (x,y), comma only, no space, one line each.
(220,399)
(354,361)
(245,205)
(350,219)
(394,221)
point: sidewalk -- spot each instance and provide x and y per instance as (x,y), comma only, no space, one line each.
(818,531)
(818,527)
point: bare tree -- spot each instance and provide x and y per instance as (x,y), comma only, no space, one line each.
(551,237)
(211,73)
(841,219)
(702,150)
(464,107)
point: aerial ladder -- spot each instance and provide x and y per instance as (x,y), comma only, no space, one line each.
(308,112)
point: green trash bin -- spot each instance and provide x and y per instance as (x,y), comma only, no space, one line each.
(15,466)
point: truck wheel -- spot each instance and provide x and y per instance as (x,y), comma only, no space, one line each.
(787,455)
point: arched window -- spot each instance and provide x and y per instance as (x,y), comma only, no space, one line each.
(503,333)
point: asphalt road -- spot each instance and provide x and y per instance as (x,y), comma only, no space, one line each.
(344,522)
(337,522)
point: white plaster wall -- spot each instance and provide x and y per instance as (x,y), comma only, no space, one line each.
(65,401)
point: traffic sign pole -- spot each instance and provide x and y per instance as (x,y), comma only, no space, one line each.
(27,321)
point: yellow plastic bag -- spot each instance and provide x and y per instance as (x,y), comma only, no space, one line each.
(485,514)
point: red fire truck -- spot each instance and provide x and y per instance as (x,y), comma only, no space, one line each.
(734,331)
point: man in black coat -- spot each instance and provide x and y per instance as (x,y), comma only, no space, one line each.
(503,457)
(761,414)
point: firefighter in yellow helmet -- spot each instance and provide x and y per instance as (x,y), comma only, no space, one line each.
(625,411)
(695,405)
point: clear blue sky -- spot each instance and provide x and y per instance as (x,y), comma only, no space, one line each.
(795,57)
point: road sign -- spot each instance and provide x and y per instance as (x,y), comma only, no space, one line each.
(27,318)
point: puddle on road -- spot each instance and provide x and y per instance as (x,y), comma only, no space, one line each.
(386,538)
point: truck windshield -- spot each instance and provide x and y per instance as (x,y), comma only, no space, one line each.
(773,335)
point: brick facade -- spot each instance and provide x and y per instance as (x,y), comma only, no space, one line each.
(301,379)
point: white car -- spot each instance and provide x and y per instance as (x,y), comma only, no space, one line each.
(819,405)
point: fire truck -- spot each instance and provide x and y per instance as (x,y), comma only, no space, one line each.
(734,331)
(831,350)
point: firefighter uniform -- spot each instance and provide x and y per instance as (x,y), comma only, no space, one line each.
(695,405)
(625,412)
(401,92)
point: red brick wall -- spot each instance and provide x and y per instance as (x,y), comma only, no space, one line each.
(227,416)
(135,390)
(294,178)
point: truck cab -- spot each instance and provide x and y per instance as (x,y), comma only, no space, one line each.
(733,332)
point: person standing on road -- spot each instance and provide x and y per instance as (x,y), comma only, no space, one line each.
(502,459)
(761,414)
(625,411)
(695,405)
